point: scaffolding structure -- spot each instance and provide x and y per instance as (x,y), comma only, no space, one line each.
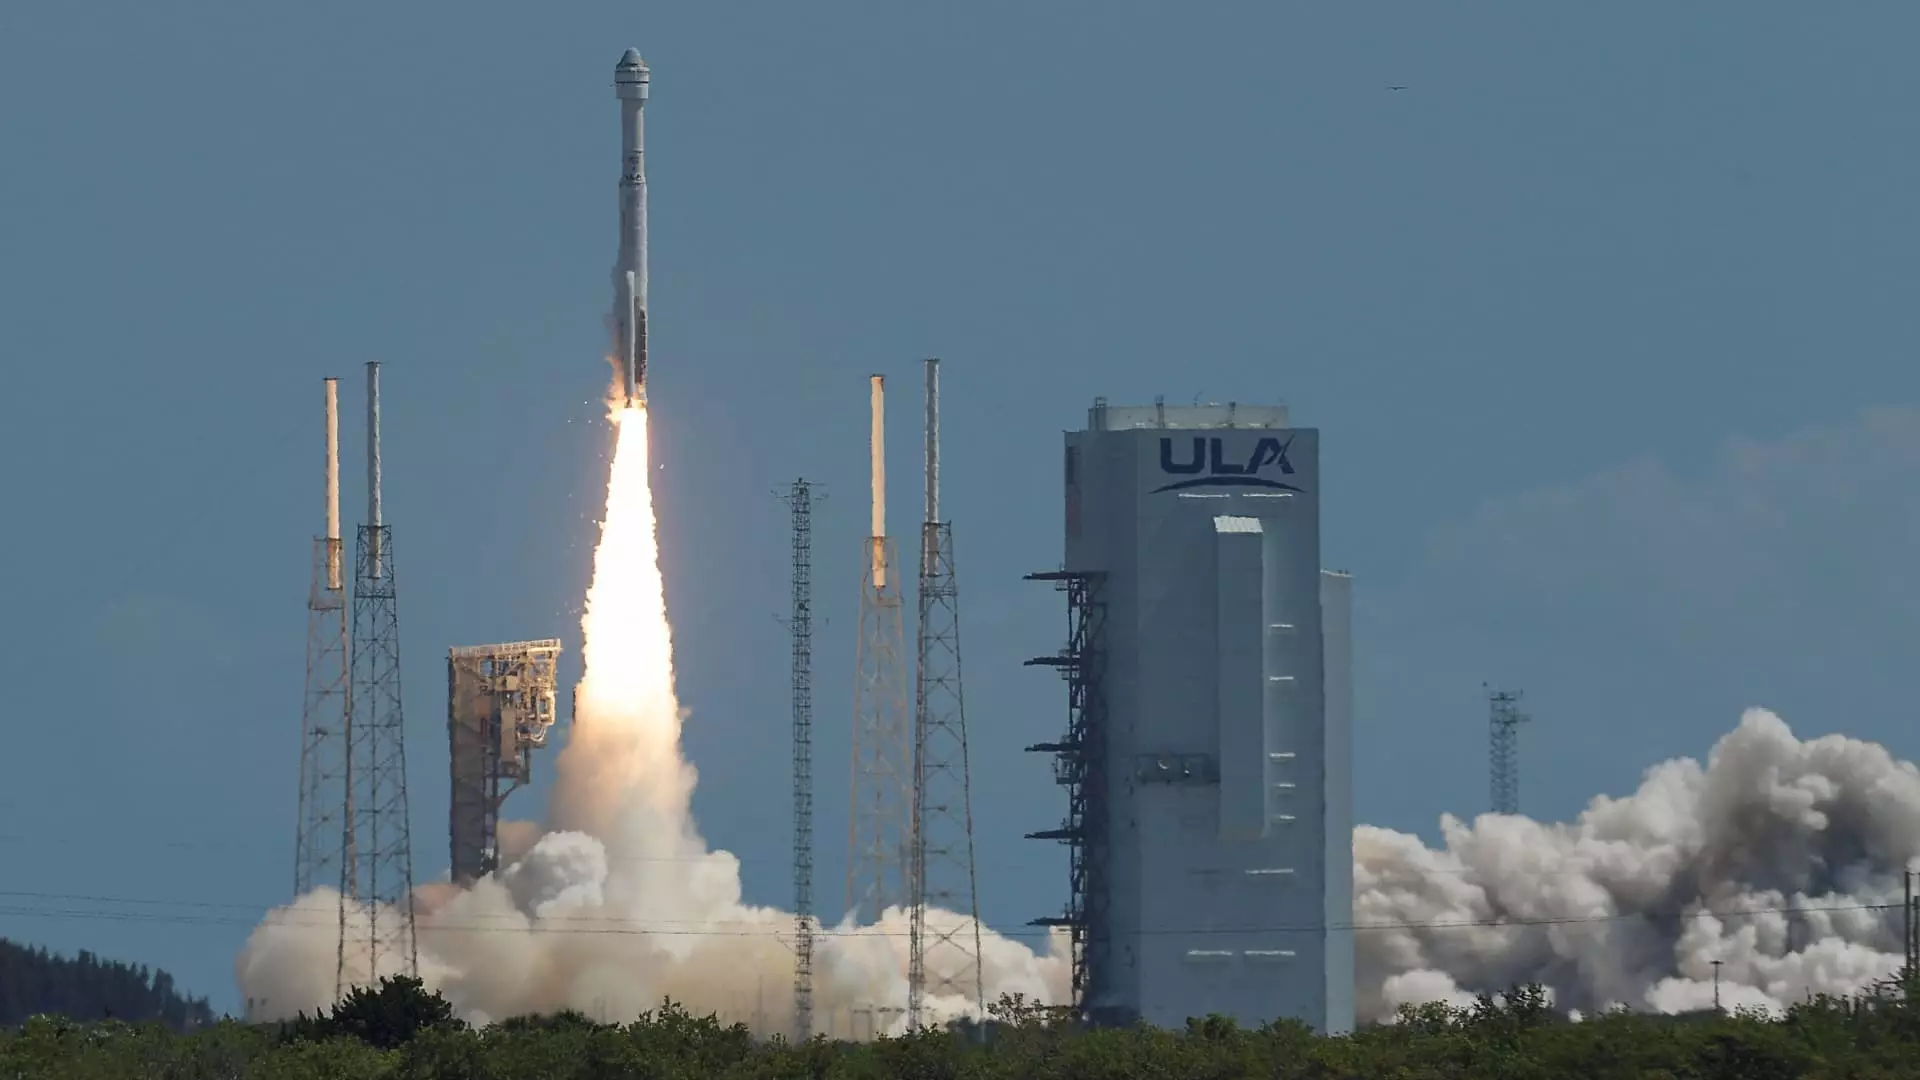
(799,500)
(328,700)
(376,895)
(943,957)
(1080,766)
(1910,929)
(1503,749)
(879,825)
(500,707)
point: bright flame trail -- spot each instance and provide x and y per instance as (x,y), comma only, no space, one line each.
(622,775)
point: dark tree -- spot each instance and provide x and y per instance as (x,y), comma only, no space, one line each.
(390,1015)
(33,981)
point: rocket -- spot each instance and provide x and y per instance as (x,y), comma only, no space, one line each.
(630,77)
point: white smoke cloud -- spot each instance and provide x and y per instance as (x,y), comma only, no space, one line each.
(1780,858)
(1612,909)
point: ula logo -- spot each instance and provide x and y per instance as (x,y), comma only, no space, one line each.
(1207,466)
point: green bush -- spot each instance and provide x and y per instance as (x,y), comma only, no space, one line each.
(390,1015)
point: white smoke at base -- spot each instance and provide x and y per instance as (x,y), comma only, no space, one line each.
(619,904)
(1619,907)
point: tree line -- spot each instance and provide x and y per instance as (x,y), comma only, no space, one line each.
(402,1031)
(34,981)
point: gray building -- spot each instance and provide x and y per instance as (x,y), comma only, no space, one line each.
(1209,755)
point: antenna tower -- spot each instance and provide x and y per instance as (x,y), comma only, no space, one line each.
(945,956)
(1503,749)
(328,703)
(800,500)
(879,824)
(377,873)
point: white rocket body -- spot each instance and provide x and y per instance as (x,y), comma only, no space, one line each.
(630,79)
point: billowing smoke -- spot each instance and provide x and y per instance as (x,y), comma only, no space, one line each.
(1629,905)
(618,903)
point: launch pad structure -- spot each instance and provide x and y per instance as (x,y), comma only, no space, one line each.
(500,707)
(1080,766)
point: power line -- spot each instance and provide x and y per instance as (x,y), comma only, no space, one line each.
(611,858)
(623,925)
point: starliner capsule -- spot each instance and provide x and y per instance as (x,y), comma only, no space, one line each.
(630,78)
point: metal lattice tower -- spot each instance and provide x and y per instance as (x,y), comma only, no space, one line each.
(377,874)
(328,702)
(1910,929)
(1503,749)
(800,627)
(945,957)
(1080,766)
(880,823)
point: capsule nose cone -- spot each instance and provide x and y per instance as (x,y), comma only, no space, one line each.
(630,77)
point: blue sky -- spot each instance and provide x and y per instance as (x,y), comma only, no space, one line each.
(1606,318)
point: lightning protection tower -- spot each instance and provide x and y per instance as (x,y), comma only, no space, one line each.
(880,820)
(323,719)
(943,956)
(1503,749)
(800,627)
(376,908)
